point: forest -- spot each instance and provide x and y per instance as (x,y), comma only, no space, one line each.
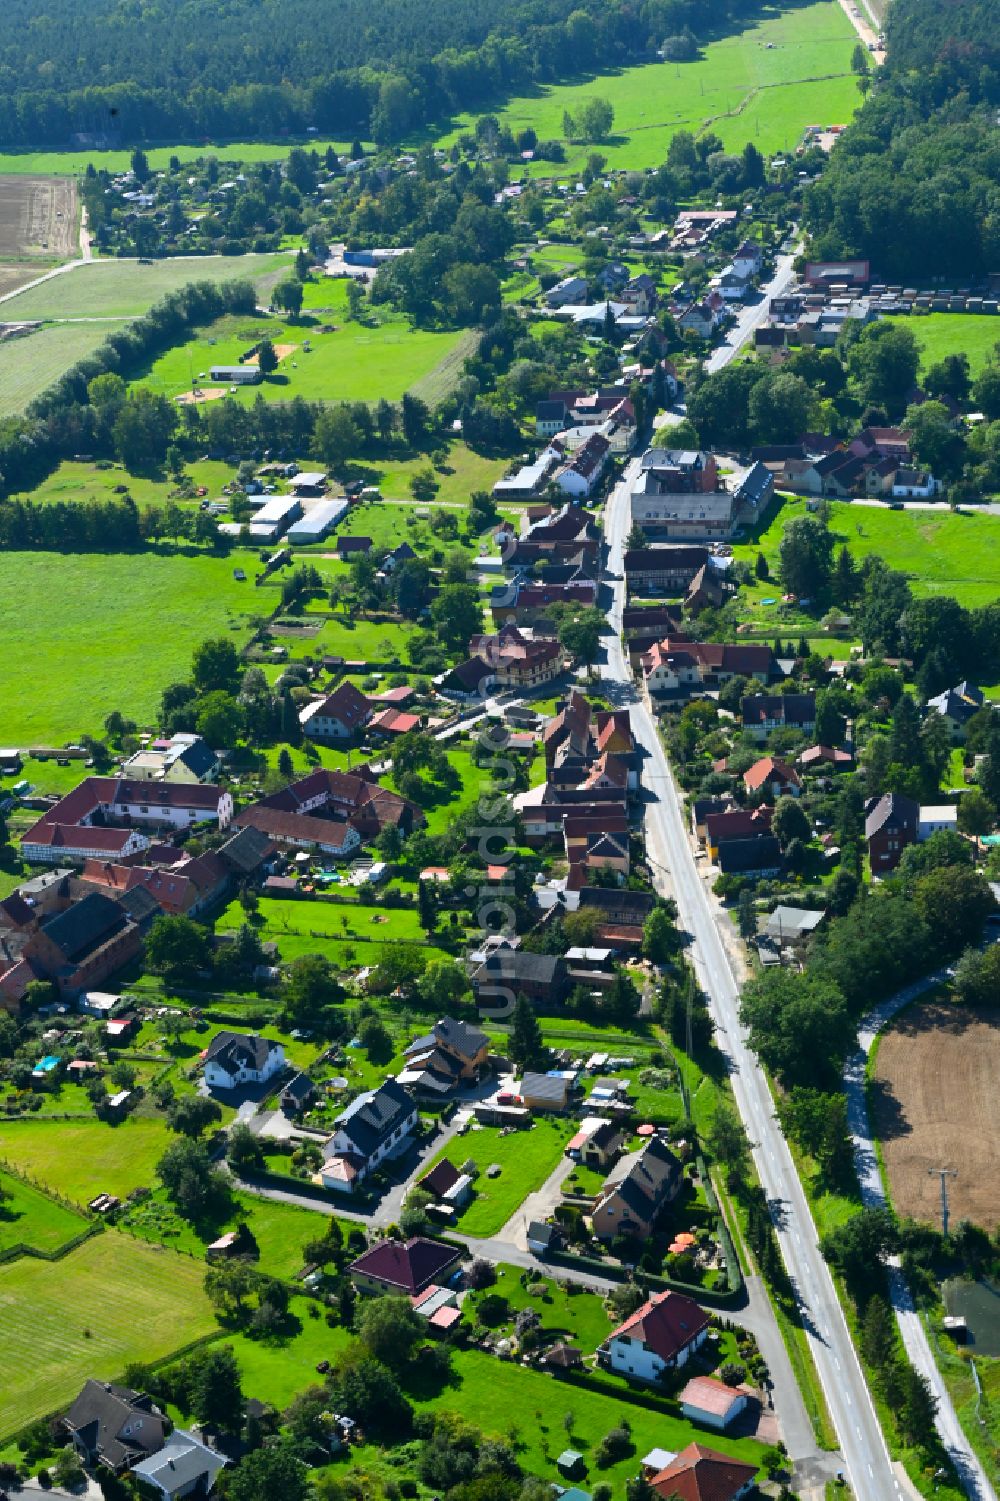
(927,128)
(125,72)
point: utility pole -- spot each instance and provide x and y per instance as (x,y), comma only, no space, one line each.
(944,1173)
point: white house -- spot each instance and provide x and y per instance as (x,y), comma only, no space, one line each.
(182,1466)
(713,1403)
(935,818)
(373,1127)
(659,1337)
(233,1058)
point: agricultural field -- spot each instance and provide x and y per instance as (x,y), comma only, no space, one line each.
(339,361)
(35,361)
(38,218)
(939,334)
(764,85)
(30,1218)
(525,1159)
(65,626)
(942,552)
(14,275)
(72,163)
(126,288)
(923,1122)
(63,1322)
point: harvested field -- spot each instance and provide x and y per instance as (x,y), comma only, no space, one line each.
(934,1105)
(14,277)
(38,217)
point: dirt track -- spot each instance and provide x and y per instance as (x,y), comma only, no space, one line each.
(934,1105)
(38,217)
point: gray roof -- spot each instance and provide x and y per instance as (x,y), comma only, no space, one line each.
(100,1415)
(85,925)
(792,922)
(372,1118)
(544,1087)
(182,1460)
(236,1050)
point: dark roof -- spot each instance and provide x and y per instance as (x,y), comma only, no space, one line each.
(410,1267)
(236,1050)
(743,855)
(468,676)
(199,757)
(520,964)
(85,925)
(460,1036)
(346,703)
(785,708)
(442,1176)
(246,850)
(299,1088)
(372,1118)
(637,904)
(550,411)
(893,811)
(354,544)
(100,1415)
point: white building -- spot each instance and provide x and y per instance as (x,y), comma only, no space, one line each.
(375,1126)
(936,818)
(182,1466)
(234,1058)
(318,521)
(659,1337)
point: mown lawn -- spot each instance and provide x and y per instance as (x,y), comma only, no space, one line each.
(76,482)
(80,1159)
(573,1315)
(764,84)
(30,1218)
(938,334)
(85,633)
(109,1302)
(943,552)
(28,366)
(305,927)
(525,1158)
(123,288)
(280,1230)
(528,1408)
(72,163)
(349,362)
(274,1370)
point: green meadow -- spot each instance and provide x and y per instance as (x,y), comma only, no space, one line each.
(30,1218)
(29,365)
(87,633)
(72,163)
(126,288)
(764,85)
(939,334)
(943,552)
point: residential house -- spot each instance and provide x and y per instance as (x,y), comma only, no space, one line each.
(183,1467)
(662,570)
(701,318)
(749,259)
(513,660)
(508,973)
(338,717)
(700,1474)
(937,819)
(404,1268)
(102,818)
(181,758)
(322,836)
(660,1336)
(756,859)
(570,289)
(882,443)
(957,706)
(676,665)
(734,823)
(526,602)
(622,913)
(113,1426)
(814,757)
(891,826)
(579,477)
(375,1126)
(772,778)
(298,1093)
(451,1054)
(330,811)
(635,1191)
(234,1058)
(600,1148)
(763,713)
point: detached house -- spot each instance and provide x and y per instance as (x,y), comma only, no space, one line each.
(772,778)
(636,1190)
(763,713)
(407,1268)
(338,717)
(183,1467)
(957,706)
(659,1337)
(891,826)
(375,1126)
(451,1054)
(113,1426)
(233,1058)
(700,1474)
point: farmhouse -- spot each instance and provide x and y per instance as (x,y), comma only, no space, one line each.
(78,945)
(98,818)
(663,570)
(392,1266)
(329,811)
(513,660)
(659,1337)
(338,717)
(233,1058)
(375,1126)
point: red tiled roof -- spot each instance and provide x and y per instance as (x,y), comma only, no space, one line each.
(709,1395)
(701,1474)
(769,769)
(666,1324)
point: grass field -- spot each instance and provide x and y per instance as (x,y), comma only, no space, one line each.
(354,362)
(125,288)
(765,85)
(525,1158)
(942,552)
(80,1159)
(104,632)
(302,927)
(72,163)
(32,363)
(30,1218)
(82,482)
(923,1124)
(81,1317)
(938,334)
